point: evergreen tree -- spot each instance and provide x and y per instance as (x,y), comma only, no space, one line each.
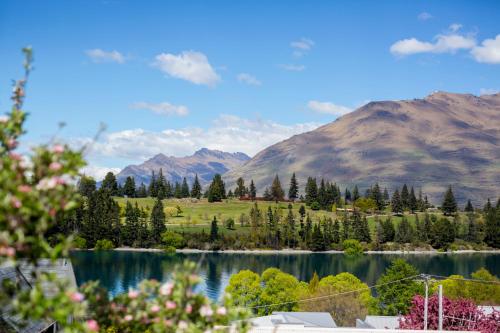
(308,231)
(141,191)
(412,201)
(386,196)
(109,184)
(404,232)
(157,221)
(252,192)
(355,193)
(293,191)
(196,190)
(449,205)
(388,230)
(177,191)
(468,207)
(185,188)
(152,190)
(336,232)
(443,233)
(377,196)
(405,197)
(311,191)
(161,190)
(346,228)
(347,195)
(472,230)
(302,212)
(492,225)
(240,190)
(427,226)
(131,228)
(129,187)
(396,203)
(365,231)
(216,190)
(317,241)
(230,194)
(214,230)
(290,236)
(86,186)
(101,218)
(277,192)
(421,233)
(267,194)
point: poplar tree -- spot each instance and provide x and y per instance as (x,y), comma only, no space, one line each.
(196,189)
(240,190)
(293,191)
(131,227)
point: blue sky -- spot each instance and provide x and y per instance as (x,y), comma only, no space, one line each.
(175,76)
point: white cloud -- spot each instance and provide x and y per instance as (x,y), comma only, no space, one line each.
(443,43)
(488,51)
(301,46)
(98,172)
(98,55)
(424,16)
(249,79)
(191,66)
(292,67)
(488,91)
(328,108)
(227,132)
(163,108)
(455,27)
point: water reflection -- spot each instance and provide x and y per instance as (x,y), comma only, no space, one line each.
(119,270)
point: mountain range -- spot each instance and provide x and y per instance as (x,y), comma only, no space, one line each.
(204,162)
(430,143)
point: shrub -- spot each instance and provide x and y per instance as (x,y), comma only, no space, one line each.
(229,223)
(315,205)
(104,244)
(173,239)
(80,242)
(352,247)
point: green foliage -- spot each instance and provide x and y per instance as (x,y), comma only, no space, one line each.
(315,205)
(352,247)
(129,187)
(396,203)
(404,232)
(214,230)
(277,192)
(492,225)
(293,190)
(449,205)
(245,288)
(216,190)
(79,243)
(396,288)
(157,221)
(443,233)
(365,204)
(104,244)
(196,189)
(173,239)
(109,184)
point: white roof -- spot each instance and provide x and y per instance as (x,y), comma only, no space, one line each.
(378,322)
(304,319)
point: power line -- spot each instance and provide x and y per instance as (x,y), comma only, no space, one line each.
(332,295)
(465,279)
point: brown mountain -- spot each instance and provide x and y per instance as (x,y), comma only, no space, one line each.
(443,139)
(204,162)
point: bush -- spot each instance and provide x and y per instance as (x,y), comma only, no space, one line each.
(352,247)
(315,205)
(229,223)
(80,242)
(104,244)
(173,239)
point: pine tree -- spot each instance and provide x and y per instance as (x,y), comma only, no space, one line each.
(472,230)
(157,221)
(196,190)
(355,193)
(177,191)
(131,227)
(386,196)
(141,191)
(468,207)
(365,231)
(267,194)
(129,187)
(347,195)
(86,186)
(396,204)
(317,241)
(161,191)
(240,190)
(492,225)
(412,201)
(421,233)
(376,195)
(302,212)
(293,191)
(216,190)
(109,184)
(308,231)
(214,230)
(152,190)
(277,192)
(185,188)
(311,191)
(449,205)
(346,228)
(291,235)
(404,232)
(388,230)
(405,197)
(336,232)
(252,191)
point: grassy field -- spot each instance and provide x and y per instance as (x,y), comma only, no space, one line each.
(197,214)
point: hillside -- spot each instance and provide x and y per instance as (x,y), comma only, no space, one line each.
(428,143)
(204,162)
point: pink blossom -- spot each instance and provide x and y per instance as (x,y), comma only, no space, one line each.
(76,297)
(168,322)
(166,289)
(11,143)
(47,184)
(189,308)
(7,251)
(182,325)
(24,188)
(133,294)
(4,119)
(170,305)
(128,317)
(155,308)
(15,202)
(222,311)
(92,325)
(15,156)
(58,149)
(206,311)
(55,166)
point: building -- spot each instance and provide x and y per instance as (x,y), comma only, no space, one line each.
(296,319)
(378,322)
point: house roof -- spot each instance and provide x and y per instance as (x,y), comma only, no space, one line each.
(378,322)
(305,319)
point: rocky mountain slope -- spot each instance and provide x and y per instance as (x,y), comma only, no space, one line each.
(204,162)
(443,139)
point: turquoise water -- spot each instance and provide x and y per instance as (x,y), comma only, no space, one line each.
(119,270)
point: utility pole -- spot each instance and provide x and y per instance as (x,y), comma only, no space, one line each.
(440,307)
(426,303)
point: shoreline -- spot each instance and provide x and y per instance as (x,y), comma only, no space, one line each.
(292,251)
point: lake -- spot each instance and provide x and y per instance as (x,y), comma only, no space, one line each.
(120,270)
